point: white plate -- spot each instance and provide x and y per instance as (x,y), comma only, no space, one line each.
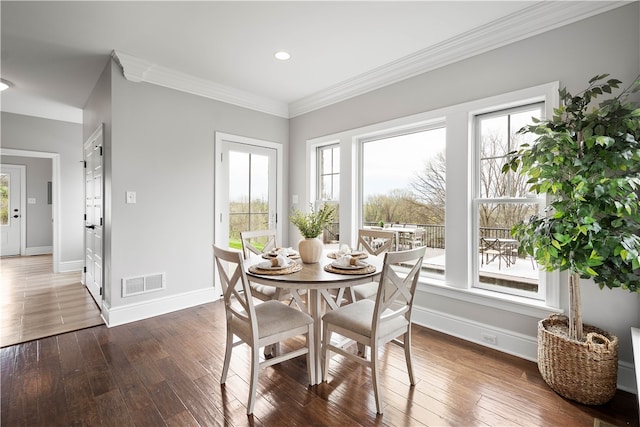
(348,267)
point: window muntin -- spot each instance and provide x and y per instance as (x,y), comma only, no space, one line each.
(501,201)
(404,188)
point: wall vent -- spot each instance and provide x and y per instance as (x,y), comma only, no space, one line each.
(143,284)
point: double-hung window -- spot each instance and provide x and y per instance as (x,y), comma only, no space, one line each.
(502,200)
(328,185)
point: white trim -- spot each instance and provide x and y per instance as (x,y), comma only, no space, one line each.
(143,310)
(67,266)
(519,345)
(55,189)
(39,250)
(139,70)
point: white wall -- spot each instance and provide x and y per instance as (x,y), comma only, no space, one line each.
(64,138)
(609,43)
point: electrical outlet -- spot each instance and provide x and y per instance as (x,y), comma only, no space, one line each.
(489,339)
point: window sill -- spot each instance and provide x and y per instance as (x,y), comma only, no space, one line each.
(511,303)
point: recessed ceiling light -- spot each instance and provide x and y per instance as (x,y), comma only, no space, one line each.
(282,55)
(5,84)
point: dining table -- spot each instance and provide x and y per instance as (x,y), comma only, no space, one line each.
(324,285)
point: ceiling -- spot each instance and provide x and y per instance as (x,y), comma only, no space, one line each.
(54,52)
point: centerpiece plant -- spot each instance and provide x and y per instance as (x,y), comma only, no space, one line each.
(311,225)
(586,158)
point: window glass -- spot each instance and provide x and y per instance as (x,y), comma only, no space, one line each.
(4,199)
(504,200)
(404,189)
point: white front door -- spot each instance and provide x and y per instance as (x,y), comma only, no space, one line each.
(94,215)
(11,215)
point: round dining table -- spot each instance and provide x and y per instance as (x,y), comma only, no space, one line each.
(320,285)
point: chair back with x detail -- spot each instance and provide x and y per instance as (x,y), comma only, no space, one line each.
(258,325)
(375,242)
(267,239)
(375,323)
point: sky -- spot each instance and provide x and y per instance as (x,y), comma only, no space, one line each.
(392,163)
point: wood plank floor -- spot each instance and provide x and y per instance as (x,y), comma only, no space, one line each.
(166,371)
(37,303)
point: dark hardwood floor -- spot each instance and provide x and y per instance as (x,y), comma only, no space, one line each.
(166,371)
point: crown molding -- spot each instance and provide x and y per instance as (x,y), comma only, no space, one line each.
(139,70)
(533,20)
(538,18)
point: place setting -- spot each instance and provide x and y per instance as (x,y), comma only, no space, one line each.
(348,264)
(276,265)
(287,252)
(346,250)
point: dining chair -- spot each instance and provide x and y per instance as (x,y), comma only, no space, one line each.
(375,323)
(267,240)
(374,242)
(258,325)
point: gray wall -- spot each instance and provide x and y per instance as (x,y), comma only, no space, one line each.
(609,43)
(64,138)
(162,147)
(39,219)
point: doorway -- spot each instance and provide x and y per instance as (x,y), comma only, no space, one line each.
(12,221)
(247,188)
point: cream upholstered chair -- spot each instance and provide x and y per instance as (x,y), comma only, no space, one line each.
(267,239)
(374,242)
(258,325)
(375,323)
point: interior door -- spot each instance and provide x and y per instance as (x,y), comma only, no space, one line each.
(11,209)
(94,215)
(247,191)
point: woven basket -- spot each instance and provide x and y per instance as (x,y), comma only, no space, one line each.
(586,372)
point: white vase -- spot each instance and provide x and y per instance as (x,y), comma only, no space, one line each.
(310,250)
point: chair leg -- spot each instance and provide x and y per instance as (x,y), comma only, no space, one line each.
(326,340)
(311,356)
(253,382)
(374,377)
(227,358)
(407,356)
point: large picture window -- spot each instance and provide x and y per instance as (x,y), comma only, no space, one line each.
(404,190)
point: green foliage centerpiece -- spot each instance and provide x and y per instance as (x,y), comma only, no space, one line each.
(311,225)
(587,159)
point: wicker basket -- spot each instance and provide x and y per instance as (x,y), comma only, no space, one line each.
(586,372)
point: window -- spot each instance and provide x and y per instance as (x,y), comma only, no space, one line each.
(329,172)
(404,190)
(502,200)
(328,182)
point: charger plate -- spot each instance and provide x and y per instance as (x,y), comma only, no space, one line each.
(364,270)
(294,267)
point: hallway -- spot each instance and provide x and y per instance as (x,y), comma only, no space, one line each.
(37,303)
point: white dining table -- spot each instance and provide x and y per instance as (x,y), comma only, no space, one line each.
(318,284)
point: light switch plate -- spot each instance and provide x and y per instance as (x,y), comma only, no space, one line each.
(131,196)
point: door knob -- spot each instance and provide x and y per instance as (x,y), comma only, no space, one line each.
(90,226)
(16,216)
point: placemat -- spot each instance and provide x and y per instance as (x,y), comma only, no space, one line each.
(364,270)
(287,270)
(363,255)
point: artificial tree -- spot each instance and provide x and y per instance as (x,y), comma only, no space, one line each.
(587,158)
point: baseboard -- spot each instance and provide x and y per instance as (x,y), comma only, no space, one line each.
(67,266)
(123,314)
(520,345)
(38,250)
